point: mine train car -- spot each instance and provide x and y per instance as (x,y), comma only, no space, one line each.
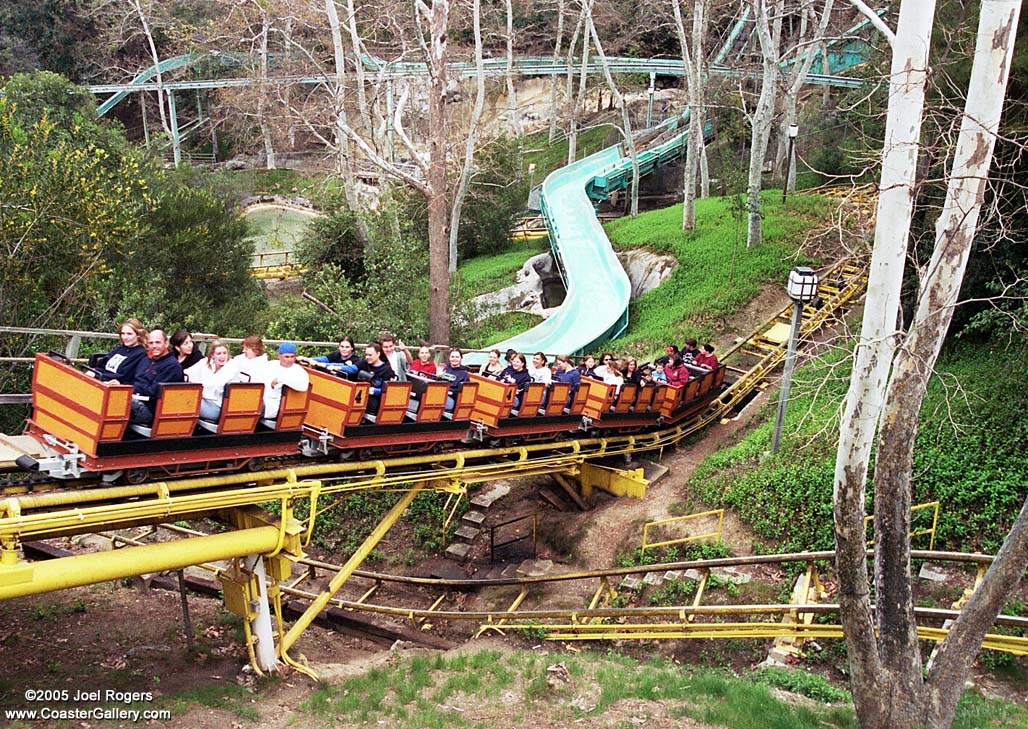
(83,424)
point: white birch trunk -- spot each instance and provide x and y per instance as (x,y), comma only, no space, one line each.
(262,98)
(355,42)
(689,177)
(554,81)
(469,150)
(805,52)
(915,702)
(769,33)
(877,342)
(625,122)
(580,99)
(514,114)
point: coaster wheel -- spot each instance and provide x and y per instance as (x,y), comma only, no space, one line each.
(136,476)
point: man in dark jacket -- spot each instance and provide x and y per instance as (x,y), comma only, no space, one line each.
(159,367)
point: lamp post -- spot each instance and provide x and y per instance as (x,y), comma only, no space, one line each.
(802,289)
(789,159)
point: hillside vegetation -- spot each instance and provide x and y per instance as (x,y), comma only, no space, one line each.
(717,276)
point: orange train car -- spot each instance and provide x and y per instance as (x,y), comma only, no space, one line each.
(83,424)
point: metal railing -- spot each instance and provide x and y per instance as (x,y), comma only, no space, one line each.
(919,532)
(714,535)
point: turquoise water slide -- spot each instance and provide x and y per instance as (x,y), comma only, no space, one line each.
(598,290)
(596,306)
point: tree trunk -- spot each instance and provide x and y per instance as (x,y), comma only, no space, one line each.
(689,177)
(262,98)
(955,230)
(514,117)
(554,82)
(438,244)
(469,149)
(358,64)
(769,33)
(625,122)
(873,356)
(344,159)
(580,99)
(805,52)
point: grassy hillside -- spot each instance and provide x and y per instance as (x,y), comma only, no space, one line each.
(515,688)
(969,454)
(717,275)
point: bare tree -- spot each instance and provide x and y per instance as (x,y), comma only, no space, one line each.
(514,114)
(888,384)
(473,126)
(554,81)
(576,108)
(808,39)
(692,64)
(768,22)
(619,101)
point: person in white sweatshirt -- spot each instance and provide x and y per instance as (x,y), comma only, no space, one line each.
(284,372)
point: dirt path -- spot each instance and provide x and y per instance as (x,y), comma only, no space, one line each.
(615,525)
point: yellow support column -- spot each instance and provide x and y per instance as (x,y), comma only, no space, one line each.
(319,603)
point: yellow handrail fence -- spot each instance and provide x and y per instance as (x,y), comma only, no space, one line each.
(714,535)
(934,505)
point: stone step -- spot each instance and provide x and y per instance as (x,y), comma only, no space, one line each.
(509,571)
(535,567)
(474,518)
(448,571)
(485,499)
(458,551)
(632,582)
(731,574)
(467,532)
(493,572)
(653,578)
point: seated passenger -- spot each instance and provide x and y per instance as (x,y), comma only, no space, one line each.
(706,357)
(605,361)
(658,374)
(612,375)
(424,365)
(517,374)
(539,370)
(588,366)
(631,372)
(213,373)
(343,361)
(283,372)
(159,368)
(676,372)
(567,372)
(119,365)
(250,366)
(185,350)
(397,355)
(456,374)
(666,357)
(376,372)
(493,366)
(690,351)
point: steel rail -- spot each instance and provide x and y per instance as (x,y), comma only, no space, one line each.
(85,510)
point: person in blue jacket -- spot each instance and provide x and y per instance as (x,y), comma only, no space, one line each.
(456,374)
(517,374)
(160,367)
(119,365)
(374,370)
(343,361)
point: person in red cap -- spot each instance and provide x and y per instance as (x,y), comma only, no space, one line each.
(666,357)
